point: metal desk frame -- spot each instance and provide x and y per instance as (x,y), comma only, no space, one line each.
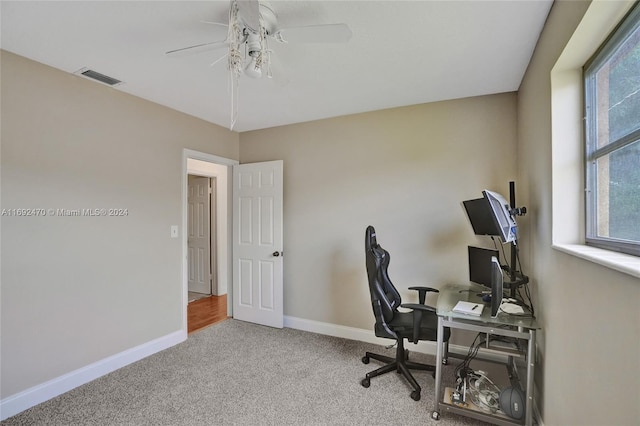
(503,325)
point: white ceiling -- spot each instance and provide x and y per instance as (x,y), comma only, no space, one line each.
(401,53)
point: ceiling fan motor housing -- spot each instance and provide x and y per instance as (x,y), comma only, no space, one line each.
(269,20)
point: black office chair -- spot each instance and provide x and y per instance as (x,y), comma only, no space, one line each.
(420,324)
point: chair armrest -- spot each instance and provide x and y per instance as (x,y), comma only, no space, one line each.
(417,316)
(422,292)
(418,307)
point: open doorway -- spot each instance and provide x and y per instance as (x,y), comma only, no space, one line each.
(215,172)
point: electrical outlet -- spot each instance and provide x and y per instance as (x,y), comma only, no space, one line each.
(174,231)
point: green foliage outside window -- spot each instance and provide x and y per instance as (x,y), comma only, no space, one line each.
(624,117)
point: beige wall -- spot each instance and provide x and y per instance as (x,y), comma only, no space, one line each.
(76,290)
(403,170)
(589,349)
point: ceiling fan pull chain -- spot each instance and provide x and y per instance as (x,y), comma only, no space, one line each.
(235,59)
(234,101)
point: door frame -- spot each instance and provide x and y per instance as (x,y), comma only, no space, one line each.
(224,205)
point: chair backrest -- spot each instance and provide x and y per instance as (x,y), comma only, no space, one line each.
(385,299)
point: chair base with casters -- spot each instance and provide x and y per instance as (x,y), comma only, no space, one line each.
(400,364)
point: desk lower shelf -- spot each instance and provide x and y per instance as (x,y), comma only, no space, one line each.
(522,328)
(469,409)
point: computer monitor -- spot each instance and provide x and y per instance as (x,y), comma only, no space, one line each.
(481,217)
(501,215)
(480,265)
(496,286)
(491,215)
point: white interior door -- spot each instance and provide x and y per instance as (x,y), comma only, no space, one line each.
(199,238)
(257,243)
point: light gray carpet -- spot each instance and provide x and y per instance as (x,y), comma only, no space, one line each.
(237,373)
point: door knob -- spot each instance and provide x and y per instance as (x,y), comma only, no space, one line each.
(276,253)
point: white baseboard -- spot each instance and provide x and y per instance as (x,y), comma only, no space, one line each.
(328,329)
(14,404)
(368,336)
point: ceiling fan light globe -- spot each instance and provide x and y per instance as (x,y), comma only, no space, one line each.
(252,69)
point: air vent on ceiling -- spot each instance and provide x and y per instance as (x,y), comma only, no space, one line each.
(94,75)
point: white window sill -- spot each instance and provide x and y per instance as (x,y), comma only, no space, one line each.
(619,261)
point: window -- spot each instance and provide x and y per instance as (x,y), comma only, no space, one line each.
(612,135)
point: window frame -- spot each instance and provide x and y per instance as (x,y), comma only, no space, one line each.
(592,153)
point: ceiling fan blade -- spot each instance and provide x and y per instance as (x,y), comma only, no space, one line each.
(328,33)
(198,48)
(220,24)
(219,59)
(249,11)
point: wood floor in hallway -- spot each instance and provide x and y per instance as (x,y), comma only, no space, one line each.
(205,312)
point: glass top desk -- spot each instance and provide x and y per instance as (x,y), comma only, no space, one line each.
(522,328)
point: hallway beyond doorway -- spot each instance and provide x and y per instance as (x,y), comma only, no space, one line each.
(205,312)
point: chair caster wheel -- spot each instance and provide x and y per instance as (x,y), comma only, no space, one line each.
(435,415)
(365,383)
(415,395)
(365,360)
(445,361)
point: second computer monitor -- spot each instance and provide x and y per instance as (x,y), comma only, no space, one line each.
(480,265)
(496,286)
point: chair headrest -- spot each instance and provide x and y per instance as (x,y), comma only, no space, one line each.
(370,238)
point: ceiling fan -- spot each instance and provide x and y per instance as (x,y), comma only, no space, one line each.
(251,25)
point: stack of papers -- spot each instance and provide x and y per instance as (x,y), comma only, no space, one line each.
(511,308)
(469,308)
